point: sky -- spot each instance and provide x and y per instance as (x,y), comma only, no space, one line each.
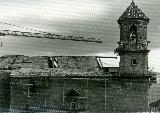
(87,18)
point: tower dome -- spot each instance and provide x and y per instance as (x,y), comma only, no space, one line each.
(133,12)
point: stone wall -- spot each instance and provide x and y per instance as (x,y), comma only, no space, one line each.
(4,89)
(140,68)
(121,95)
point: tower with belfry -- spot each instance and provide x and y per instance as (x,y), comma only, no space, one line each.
(133,44)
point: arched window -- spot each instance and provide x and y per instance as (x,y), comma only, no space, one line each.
(133,29)
(133,33)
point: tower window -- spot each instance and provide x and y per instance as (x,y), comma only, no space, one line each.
(133,29)
(133,32)
(134,61)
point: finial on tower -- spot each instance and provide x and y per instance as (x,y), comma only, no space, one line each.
(133,2)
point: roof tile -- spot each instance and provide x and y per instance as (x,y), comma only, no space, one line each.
(133,12)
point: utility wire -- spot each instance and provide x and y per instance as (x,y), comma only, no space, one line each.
(21,27)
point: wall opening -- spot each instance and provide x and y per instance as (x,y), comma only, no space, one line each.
(50,64)
(133,32)
(134,62)
(73,106)
(133,29)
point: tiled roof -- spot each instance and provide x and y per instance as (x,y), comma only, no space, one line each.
(55,72)
(23,66)
(29,72)
(133,12)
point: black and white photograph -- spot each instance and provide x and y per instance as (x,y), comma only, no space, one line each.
(79,56)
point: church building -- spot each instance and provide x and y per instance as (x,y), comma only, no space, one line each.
(83,84)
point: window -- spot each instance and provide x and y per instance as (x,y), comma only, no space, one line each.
(134,61)
(133,33)
(50,64)
(133,29)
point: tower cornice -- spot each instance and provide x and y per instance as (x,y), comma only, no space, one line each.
(135,52)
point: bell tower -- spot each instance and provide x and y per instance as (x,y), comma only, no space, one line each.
(133,44)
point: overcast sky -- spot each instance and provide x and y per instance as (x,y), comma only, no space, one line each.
(88,18)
